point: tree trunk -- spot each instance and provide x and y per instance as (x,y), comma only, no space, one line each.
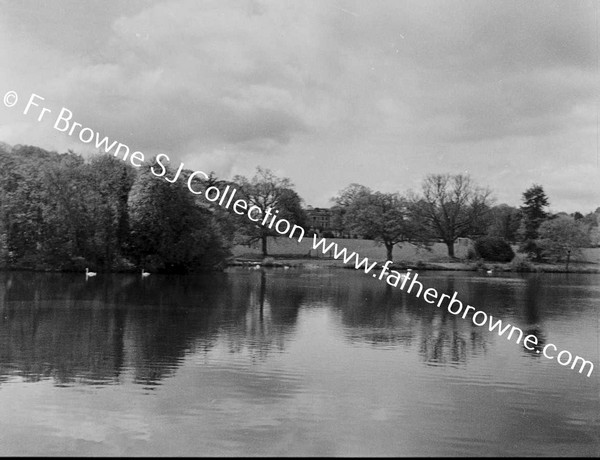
(450,248)
(389,248)
(264,246)
(568,258)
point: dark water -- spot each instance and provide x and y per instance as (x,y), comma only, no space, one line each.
(290,362)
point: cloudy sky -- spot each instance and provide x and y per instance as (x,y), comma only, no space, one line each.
(326,93)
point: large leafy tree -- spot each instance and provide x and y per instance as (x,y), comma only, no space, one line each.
(169,231)
(38,231)
(86,216)
(114,179)
(225,221)
(265,190)
(591,220)
(69,217)
(504,222)
(24,203)
(562,237)
(384,216)
(450,207)
(343,202)
(533,212)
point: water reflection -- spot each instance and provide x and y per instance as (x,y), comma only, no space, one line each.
(73,330)
(533,316)
(63,327)
(292,362)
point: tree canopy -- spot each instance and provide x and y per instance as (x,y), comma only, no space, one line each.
(450,207)
(169,231)
(533,214)
(64,212)
(267,191)
(61,212)
(562,237)
(383,216)
(504,222)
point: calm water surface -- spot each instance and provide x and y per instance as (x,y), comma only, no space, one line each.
(293,362)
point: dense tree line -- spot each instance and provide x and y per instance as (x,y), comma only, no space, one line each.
(449,207)
(62,212)
(58,211)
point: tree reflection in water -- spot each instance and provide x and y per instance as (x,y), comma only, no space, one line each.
(59,326)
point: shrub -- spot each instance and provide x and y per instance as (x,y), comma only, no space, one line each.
(532,249)
(472,254)
(494,249)
(480,265)
(268,262)
(521,264)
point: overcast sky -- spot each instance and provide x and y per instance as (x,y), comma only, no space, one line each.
(326,93)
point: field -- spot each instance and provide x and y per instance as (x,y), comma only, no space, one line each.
(284,248)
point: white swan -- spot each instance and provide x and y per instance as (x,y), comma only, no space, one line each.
(144,273)
(89,273)
(407,274)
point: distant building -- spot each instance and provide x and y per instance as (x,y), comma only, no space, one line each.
(318,219)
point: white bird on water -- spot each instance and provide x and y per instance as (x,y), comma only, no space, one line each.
(89,273)
(407,274)
(144,273)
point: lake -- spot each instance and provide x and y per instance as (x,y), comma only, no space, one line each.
(293,362)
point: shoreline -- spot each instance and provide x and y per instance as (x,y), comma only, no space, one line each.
(310,263)
(496,267)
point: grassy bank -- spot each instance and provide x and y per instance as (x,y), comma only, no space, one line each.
(285,252)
